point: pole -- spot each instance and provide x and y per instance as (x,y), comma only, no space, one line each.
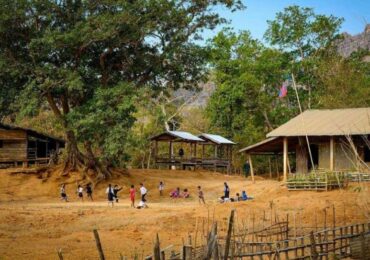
(251,165)
(331,153)
(285,158)
(228,238)
(303,124)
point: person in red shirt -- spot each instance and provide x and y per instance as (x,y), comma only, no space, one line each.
(132,196)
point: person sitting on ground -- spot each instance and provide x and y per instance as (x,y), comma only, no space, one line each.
(237,197)
(142,205)
(89,191)
(244,195)
(80,192)
(185,194)
(201,195)
(175,193)
(63,194)
(116,189)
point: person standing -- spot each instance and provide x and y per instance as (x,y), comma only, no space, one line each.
(116,189)
(89,191)
(63,194)
(80,191)
(110,194)
(132,196)
(161,188)
(143,192)
(247,168)
(226,191)
(201,195)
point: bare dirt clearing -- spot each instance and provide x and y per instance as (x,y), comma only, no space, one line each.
(34,223)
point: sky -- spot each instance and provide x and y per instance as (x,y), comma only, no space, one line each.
(356,14)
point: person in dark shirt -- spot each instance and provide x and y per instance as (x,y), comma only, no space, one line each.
(116,189)
(89,191)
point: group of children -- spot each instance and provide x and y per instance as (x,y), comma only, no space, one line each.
(112,194)
(226,196)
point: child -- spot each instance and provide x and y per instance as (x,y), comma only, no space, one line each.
(201,195)
(161,188)
(110,194)
(143,192)
(115,192)
(132,196)
(89,191)
(80,192)
(63,194)
(175,193)
(185,194)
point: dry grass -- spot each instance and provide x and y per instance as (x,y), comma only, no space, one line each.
(34,224)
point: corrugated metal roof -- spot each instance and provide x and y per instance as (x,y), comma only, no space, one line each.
(218,139)
(185,135)
(246,149)
(352,121)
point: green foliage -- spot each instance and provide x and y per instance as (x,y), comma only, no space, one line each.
(301,31)
(248,75)
(106,120)
(73,57)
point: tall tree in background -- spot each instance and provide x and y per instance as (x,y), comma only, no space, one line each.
(244,105)
(305,35)
(74,55)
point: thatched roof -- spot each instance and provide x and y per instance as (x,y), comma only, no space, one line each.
(335,122)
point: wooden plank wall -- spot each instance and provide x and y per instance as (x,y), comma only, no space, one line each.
(12,134)
(14,145)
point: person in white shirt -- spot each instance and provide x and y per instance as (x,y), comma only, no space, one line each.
(110,193)
(161,188)
(143,192)
(80,191)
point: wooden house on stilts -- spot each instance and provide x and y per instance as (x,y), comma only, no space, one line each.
(26,146)
(333,140)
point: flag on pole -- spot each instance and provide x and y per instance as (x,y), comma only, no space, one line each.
(283,90)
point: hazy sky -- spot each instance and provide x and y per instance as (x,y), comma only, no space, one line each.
(355,12)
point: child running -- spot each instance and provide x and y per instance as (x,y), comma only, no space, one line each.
(143,192)
(63,194)
(116,189)
(89,191)
(110,194)
(201,195)
(132,196)
(80,191)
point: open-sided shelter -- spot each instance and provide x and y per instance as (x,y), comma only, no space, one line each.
(220,158)
(23,145)
(334,140)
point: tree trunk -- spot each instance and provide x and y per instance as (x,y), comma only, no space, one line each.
(76,160)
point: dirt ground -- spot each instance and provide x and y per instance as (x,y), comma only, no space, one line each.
(34,223)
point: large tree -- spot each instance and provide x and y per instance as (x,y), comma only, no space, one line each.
(305,36)
(75,55)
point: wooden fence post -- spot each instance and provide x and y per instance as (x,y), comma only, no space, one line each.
(314,254)
(60,254)
(98,244)
(187,252)
(228,237)
(212,241)
(157,249)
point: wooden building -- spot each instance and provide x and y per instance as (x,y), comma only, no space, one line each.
(187,150)
(24,146)
(333,140)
